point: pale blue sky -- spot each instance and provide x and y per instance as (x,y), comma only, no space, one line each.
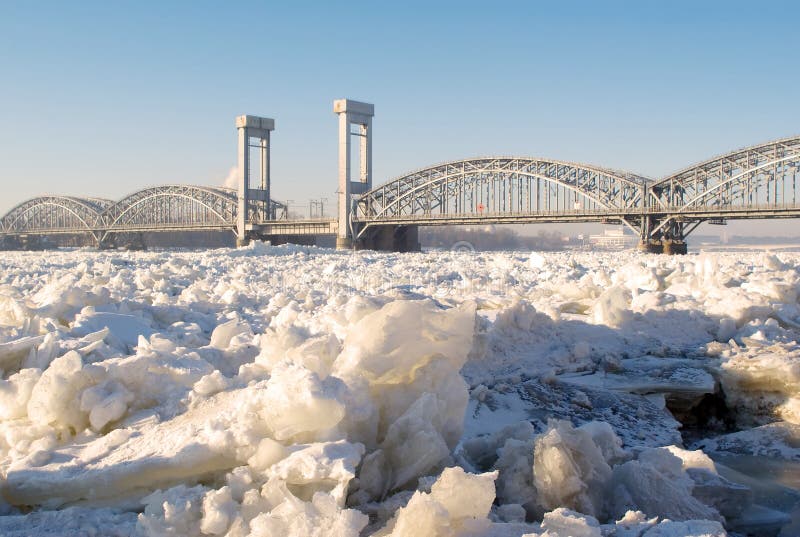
(103,98)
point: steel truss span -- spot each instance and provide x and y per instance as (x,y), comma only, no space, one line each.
(758,176)
(177,207)
(760,181)
(55,214)
(755,182)
(162,208)
(501,188)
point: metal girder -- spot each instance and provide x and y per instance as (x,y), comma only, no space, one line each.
(318,226)
(501,186)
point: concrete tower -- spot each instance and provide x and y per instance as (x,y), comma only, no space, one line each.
(254,200)
(359,114)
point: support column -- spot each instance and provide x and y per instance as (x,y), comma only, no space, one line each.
(352,113)
(265,178)
(647,243)
(670,239)
(254,203)
(390,239)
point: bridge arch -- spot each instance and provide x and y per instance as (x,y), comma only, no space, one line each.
(759,176)
(54,214)
(177,207)
(496,186)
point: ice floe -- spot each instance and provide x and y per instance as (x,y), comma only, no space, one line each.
(302,391)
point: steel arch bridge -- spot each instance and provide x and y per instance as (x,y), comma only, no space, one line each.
(161,208)
(501,188)
(755,182)
(55,215)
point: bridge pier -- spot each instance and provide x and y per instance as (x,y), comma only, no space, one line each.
(674,246)
(126,241)
(109,242)
(300,240)
(134,241)
(390,239)
(659,236)
(14,242)
(650,246)
(663,246)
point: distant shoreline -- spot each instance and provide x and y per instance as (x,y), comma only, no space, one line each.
(773,247)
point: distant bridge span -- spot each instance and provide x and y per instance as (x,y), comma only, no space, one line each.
(751,183)
(502,188)
(162,208)
(754,182)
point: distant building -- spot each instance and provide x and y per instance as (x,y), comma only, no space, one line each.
(613,239)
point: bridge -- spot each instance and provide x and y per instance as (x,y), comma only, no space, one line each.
(752,183)
(156,209)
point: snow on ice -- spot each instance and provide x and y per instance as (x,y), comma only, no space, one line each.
(296,391)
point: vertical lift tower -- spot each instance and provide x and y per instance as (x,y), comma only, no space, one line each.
(254,200)
(358,114)
(392,238)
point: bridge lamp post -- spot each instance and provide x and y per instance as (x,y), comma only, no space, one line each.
(319,205)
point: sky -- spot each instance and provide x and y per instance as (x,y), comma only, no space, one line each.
(104,98)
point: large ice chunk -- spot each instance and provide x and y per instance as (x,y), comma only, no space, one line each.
(570,469)
(54,398)
(657,485)
(124,329)
(402,365)
(297,404)
(561,522)
(155,455)
(320,467)
(459,503)
(288,516)
(12,352)
(612,307)
(15,393)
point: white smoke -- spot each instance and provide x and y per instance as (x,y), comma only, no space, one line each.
(232,179)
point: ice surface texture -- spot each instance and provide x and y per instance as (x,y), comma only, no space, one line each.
(296,391)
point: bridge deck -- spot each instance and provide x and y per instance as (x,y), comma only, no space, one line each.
(314,226)
(581,215)
(269,227)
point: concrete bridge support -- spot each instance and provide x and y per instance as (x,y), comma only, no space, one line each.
(650,246)
(107,242)
(359,114)
(662,237)
(390,239)
(664,246)
(20,242)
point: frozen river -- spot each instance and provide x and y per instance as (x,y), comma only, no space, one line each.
(297,391)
